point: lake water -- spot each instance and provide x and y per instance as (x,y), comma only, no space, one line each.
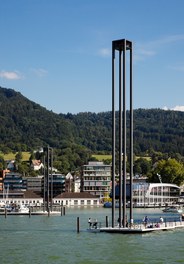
(54,239)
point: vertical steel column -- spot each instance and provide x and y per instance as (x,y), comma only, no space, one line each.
(120,138)
(113,134)
(124,134)
(131,137)
(44,182)
(51,165)
(48,179)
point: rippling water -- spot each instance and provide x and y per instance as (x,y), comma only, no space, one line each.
(54,239)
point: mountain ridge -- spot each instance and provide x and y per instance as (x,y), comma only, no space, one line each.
(26,125)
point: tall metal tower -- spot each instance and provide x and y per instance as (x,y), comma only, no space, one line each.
(122,46)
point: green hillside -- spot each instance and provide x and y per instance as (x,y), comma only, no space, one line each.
(26,126)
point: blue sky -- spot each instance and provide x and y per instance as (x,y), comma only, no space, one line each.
(57,53)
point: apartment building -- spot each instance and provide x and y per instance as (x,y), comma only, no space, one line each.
(96,178)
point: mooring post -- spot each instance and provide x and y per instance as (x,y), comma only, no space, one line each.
(61,210)
(5,213)
(64,210)
(78,222)
(107,221)
(29,211)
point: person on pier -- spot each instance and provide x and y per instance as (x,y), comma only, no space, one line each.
(89,222)
(145,221)
(95,223)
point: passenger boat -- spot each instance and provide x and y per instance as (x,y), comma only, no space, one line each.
(173,209)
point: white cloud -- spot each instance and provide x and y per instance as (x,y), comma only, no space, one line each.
(40,72)
(175,108)
(151,48)
(141,54)
(179,68)
(167,40)
(10,75)
(105,52)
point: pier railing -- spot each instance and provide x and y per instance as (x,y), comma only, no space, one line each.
(152,223)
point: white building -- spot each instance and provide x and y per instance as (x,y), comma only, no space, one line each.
(77,185)
(155,194)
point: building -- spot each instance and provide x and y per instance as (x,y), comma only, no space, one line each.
(155,194)
(56,185)
(21,198)
(64,199)
(34,183)
(14,181)
(36,165)
(96,178)
(151,194)
(77,185)
(77,199)
(2,175)
(69,183)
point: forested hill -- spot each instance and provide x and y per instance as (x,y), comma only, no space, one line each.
(26,125)
(154,129)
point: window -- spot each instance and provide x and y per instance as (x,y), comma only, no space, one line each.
(75,202)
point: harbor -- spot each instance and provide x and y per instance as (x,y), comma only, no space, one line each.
(19,210)
(54,239)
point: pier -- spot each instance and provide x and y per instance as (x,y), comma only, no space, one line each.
(139,228)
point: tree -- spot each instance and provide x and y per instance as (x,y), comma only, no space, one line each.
(18,157)
(2,163)
(142,166)
(171,171)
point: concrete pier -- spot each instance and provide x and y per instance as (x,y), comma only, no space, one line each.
(140,228)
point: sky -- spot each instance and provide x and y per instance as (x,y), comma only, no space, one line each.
(58,53)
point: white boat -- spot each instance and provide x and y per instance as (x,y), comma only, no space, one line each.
(173,209)
(5,207)
(22,209)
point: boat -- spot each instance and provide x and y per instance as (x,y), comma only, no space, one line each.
(5,207)
(109,205)
(173,209)
(22,209)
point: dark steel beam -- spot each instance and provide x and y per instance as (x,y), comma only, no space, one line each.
(122,45)
(113,135)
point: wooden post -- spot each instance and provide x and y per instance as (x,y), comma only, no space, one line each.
(61,210)
(64,210)
(78,224)
(107,221)
(5,212)
(29,211)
